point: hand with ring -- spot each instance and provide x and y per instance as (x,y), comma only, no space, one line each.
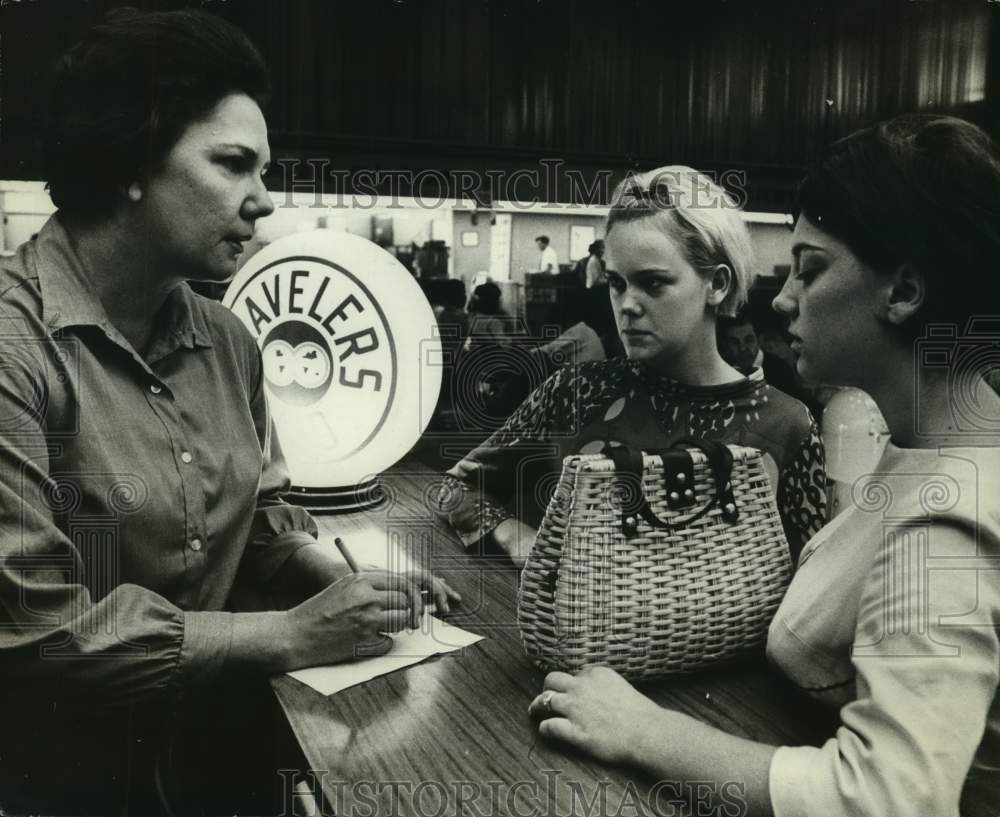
(597,711)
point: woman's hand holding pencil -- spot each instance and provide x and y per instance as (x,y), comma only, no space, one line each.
(429,585)
(348,619)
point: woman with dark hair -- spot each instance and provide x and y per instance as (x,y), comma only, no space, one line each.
(487,319)
(595,272)
(893,613)
(676,266)
(140,478)
(485,300)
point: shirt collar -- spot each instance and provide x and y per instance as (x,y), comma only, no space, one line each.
(183,323)
(67,294)
(68,297)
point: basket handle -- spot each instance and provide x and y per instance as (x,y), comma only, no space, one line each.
(678,466)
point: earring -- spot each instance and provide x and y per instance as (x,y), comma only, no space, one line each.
(134,192)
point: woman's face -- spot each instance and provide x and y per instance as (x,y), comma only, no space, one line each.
(201,203)
(660,301)
(831,300)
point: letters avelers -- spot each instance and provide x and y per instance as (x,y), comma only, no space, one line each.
(283,296)
(329,363)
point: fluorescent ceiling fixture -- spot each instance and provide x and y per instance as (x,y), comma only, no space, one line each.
(557,208)
(768,218)
(552,208)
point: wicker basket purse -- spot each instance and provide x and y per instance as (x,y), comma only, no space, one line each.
(654,564)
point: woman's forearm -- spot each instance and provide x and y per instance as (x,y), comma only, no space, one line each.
(306,572)
(515,538)
(679,748)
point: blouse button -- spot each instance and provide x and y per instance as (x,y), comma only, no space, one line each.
(155,389)
(186,456)
(196,544)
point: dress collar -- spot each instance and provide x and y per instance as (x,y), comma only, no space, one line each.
(661,385)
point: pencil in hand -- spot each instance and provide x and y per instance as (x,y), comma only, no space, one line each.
(427,605)
(346,554)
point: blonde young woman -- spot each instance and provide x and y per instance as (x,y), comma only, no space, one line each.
(679,257)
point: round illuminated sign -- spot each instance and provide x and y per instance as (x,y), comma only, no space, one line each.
(350,351)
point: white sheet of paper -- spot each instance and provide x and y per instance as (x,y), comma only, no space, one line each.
(408,647)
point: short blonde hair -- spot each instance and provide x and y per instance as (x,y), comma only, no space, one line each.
(702,216)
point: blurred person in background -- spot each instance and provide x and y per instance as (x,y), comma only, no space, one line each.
(548,261)
(596,268)
(741,345)
(590,270)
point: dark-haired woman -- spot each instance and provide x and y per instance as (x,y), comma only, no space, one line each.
(140,479)
(596,270)
(487,319)
(894,613)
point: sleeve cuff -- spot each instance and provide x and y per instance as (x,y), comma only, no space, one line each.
(787,781)
(487,525)
(208,637)
(470,538)
(486,515)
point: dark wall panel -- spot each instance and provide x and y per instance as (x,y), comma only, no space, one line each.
(504,83)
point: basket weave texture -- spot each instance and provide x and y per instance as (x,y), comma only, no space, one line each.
(661,602)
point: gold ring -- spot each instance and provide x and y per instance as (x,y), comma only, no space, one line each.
(547,700)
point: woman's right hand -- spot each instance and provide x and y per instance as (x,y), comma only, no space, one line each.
(348,619)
